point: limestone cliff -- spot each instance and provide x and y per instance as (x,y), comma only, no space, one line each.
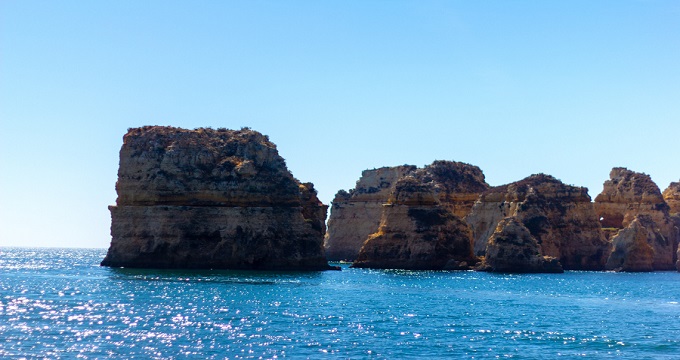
(417,233)
(560,217)
(357,214)
(626,196)
(212,199)
(672,197)
(512,248)
(637,247)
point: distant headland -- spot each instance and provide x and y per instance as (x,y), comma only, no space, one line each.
(224,199)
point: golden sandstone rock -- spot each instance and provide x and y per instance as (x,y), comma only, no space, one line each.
(629,196)
(212,199)
(560,217)
(512,248)
(357,214)
(224,199)
(417,233)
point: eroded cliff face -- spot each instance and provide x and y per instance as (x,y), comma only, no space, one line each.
(639,247)
(212,199)
(560,217)
(672,197)
(627,196)
(512,248)
(357,214)
(417,233)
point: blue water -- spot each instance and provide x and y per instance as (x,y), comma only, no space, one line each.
(59,303)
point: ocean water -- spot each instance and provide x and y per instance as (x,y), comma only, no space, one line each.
(58,303)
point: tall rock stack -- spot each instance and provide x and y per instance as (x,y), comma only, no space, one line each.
(357,214)
(417,233)
(559,217)
(672,197)
(212,199)
(456,185)
(511,248)
(628,196)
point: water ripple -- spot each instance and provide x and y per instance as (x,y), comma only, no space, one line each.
(59,304)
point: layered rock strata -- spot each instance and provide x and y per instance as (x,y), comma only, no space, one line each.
(357,214)
(560,217)
(212,199)
(511,248)
(635,248)
(672,197)
(417,233)
(625,197)
(627,194)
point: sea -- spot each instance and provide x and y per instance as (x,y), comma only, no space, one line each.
(59,303)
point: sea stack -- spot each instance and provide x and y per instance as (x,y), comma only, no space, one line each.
(631,201)
(417,233)
(672,197)
(559,217)
(206,198)
(357,214)
(512,249)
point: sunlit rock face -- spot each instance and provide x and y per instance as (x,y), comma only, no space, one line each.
(212,199)
(672,197)
(640,247)
(357,214)
(511,248)
(560,217)
(627,196)
(416,232)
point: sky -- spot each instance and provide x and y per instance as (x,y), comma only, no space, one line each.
(566,88)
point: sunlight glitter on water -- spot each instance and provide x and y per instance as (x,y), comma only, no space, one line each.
(75,308)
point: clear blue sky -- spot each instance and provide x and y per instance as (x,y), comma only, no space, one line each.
(567,88)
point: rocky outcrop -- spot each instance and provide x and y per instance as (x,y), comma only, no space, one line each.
(511,248)
(672,197)
(628,196)
(635,248)
(417,233)
(357,214)
(212,199)
(560,217)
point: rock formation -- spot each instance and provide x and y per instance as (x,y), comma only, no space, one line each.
(672,197)
(634,247)
(512,248)
(560,217)
(357,214)
(417,233)
(212,199)
(627,195)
